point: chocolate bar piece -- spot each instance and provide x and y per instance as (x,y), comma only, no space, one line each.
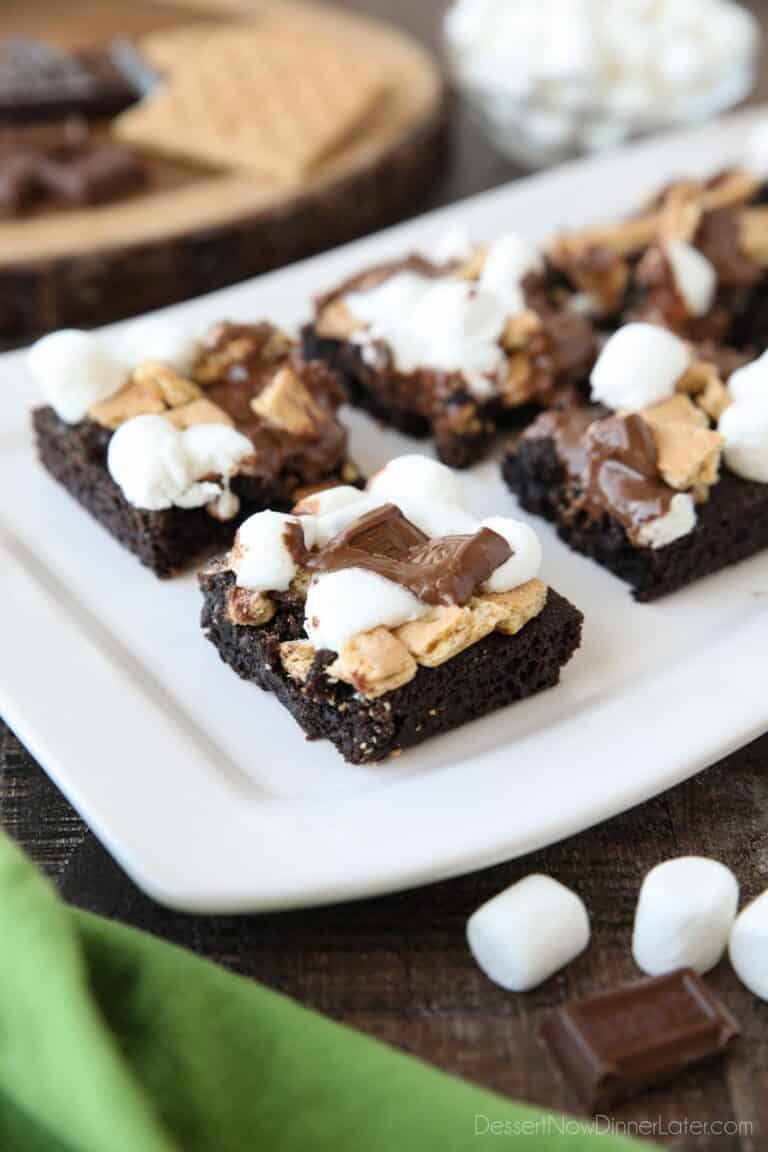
(41,82)
(612,1046)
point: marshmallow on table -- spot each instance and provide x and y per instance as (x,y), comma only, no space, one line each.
(528,932)
(639,365)
(74,371)
(748,946)
(684,915)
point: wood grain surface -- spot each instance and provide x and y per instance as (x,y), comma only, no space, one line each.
(398,967)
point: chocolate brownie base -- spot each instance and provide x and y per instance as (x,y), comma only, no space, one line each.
(165,541)
(732,525)
(490,674)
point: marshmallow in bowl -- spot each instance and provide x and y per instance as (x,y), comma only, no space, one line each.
(748,946)
(694,275)
(157,338)
(528,932)
(638,366)
(261,557)
(684,915)
(744,423)
(157,465)
(74,371)
(525,561)
(341,604)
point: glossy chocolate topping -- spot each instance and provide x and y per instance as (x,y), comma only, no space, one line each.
(611,464)
(447,570)
(238,363)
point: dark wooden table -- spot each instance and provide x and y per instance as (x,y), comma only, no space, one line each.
(398,967)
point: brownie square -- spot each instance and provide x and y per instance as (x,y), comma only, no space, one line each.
(166,541)
(490,674)
(232,372)
(731,526)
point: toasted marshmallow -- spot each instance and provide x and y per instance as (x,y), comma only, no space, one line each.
(684,915)
(748,946)
(159,466)
(679,520)
(528,932)
(694,275)
(261,558)
(341,604)
(74,371)
(525,561)
(639,365)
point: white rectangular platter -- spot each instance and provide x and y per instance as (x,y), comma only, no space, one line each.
(203,787)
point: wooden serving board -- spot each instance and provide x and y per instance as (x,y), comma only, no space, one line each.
(193,230)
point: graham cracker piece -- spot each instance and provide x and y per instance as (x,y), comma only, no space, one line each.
(274,97)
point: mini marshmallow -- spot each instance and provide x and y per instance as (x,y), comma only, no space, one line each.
(157,338)
(757,149)
(341,604)
(749,384)
(678,520)
(261,558)
(528,932)
(158,466)
(525,561)
(694,275)
(329,500)
(639,365)
(434,518)
(745,429)
(684,915)
(415,475)
(744,424)
(748,946)
(509,260)
(328,524)
(74,371)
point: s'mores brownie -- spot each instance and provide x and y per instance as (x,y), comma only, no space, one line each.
(663,478)
(169,440)
(384,617)
(693,260)
(450,345)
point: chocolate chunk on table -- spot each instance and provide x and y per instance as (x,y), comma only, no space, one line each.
(39,81)
(612,1046)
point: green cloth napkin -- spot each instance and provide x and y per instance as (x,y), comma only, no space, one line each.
(113,1041)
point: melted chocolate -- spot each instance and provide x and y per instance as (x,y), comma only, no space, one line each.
(372,277)
(446,571)
(237,365)
(611,464)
